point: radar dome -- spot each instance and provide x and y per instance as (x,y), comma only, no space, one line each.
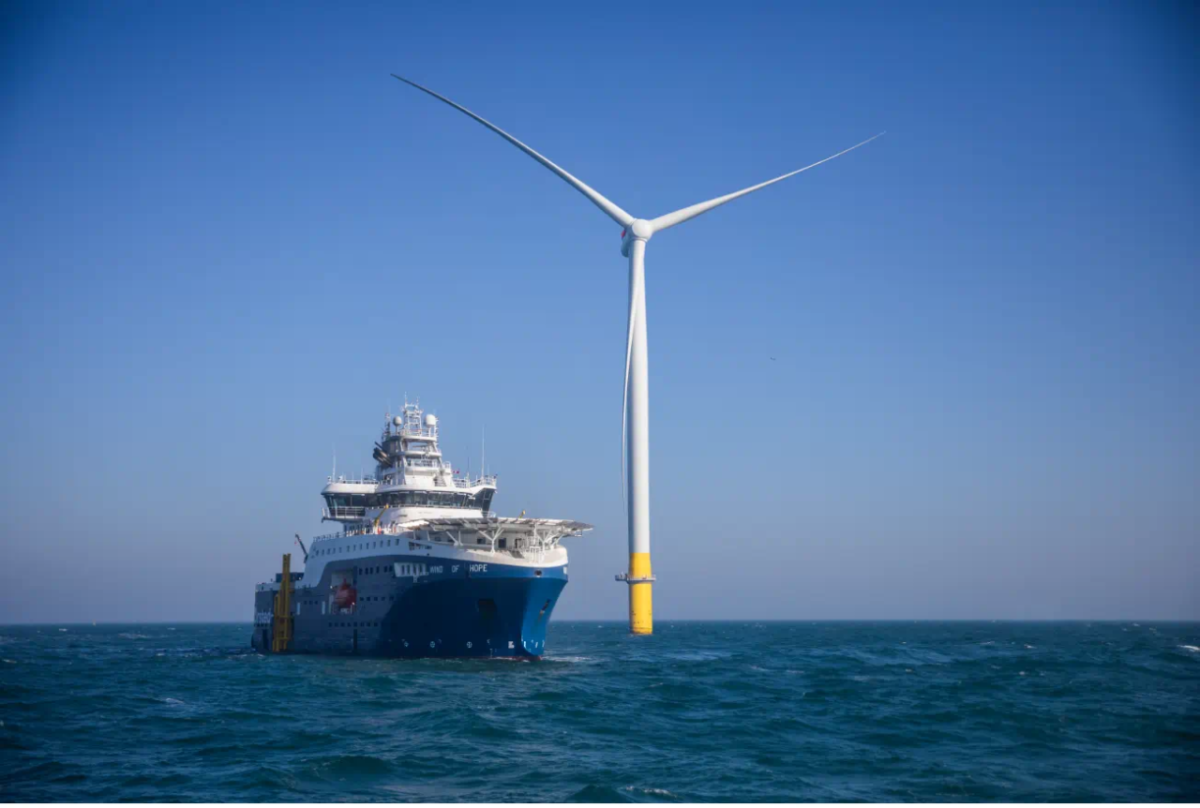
(397,420)
(430,420)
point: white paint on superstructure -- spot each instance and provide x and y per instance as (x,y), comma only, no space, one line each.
(417,505)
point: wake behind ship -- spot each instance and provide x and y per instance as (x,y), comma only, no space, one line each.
(422,567)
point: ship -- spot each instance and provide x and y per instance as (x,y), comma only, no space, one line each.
(421,566)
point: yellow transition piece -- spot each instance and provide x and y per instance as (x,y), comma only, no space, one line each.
(641,603)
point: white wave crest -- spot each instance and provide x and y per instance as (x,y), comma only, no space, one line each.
(658,792)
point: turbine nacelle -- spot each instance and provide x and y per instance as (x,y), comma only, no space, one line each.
(638,230)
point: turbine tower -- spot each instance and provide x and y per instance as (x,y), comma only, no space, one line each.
(635,413)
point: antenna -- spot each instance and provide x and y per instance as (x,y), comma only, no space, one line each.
(483,451)
(333,476)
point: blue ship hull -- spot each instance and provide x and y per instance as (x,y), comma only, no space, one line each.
(452,609)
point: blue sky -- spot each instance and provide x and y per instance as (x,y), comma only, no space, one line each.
(229,239)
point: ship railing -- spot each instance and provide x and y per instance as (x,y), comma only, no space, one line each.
(463,482)
(328,536)
(392,529)
(359,481)
(484,538)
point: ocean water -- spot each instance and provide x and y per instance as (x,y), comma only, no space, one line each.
(700,711)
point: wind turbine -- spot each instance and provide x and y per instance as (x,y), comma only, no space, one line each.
(635,415)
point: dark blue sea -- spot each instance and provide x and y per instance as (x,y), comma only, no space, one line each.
(700,711)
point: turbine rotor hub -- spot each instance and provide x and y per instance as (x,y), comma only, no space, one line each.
(638,230)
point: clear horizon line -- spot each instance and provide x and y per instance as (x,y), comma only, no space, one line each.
(623,620)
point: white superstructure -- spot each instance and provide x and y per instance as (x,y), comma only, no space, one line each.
(412,480)
(419,504)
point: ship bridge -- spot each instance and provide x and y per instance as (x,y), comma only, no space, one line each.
(410,473)
(347,499)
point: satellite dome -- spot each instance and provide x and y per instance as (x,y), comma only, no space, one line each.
(430,420)
(397,420)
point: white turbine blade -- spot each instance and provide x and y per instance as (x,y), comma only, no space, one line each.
(682,215)
(619,216)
